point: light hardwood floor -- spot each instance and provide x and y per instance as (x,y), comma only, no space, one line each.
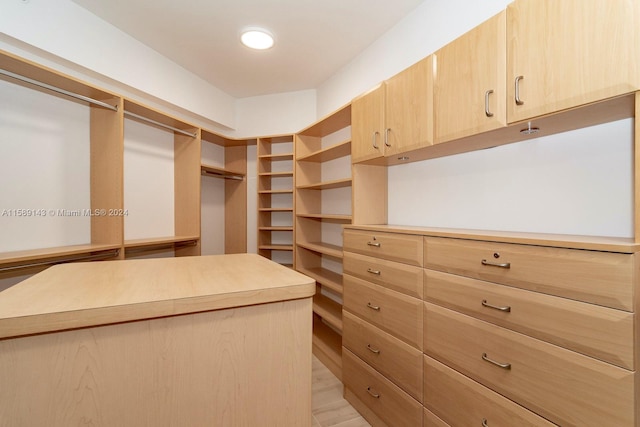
(328,406)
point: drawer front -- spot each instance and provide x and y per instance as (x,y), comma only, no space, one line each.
(564,387)
(393,275)
(601,278)
(385,399)
(430,420)
(460,401)
(600,332)
(395,359)
(394,247)
(398,314)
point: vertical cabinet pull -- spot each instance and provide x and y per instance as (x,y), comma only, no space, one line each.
(386,137)
(493,362)
(372,393)
(373,350)
(505,308)
(517,83)
(375,139)
(484,423)
(487,112)
(373,307)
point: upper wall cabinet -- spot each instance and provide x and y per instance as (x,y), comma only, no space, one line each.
(470,82)
(563,54)
(395,117)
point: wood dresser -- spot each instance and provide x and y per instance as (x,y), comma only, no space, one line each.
(189,341)
(460,328)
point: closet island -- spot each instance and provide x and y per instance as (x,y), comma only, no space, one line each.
(210,340)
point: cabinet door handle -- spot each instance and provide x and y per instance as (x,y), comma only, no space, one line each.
(486,103)
(373,307)
(493,362)
(484,423)
(386,137)
(496,264)
(518,100)
(505,308)
(374,244)
(376,395)
(376,272)
(375,139)
(373,350)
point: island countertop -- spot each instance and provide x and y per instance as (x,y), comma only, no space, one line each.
(91,294)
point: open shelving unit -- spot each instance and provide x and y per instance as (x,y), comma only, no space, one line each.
(323,205)
(275,157)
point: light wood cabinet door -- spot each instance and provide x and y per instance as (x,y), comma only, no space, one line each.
(367,125)
(568,53)
(409,109)
(470,83)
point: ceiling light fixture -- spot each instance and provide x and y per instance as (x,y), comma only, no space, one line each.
(257,38)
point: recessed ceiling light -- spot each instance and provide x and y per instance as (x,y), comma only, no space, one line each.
(257,39)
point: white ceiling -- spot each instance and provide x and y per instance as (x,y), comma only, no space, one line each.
(314,38)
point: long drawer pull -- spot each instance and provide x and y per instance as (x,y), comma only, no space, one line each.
(484,423)
(505,308)
(501,365)
(376,272)
(373,350)
(496,264)
(374,244)
(376,395)
(373,307)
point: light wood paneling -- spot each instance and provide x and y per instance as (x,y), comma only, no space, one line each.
(244,366)
(430,420)
(187,189)
(235,202)
(563,61)
(369,195)
(367,125)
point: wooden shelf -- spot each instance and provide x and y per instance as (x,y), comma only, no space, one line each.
(159,241)
(327,347)
(328,217)
(326,278)
(217,172)
(276,157)
(331,123)
(276,247)
(275,228)
(329,310)
(323,248)
(277,174)
(276,192)
(333,152)
(327,185)
(52,255)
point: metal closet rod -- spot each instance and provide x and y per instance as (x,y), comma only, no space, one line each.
(112,253)
(58,90)
(217,175)
(143,118)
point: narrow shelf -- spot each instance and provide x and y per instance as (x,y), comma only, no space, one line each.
(328,217)
(333,152)
(323,248)
(34,257)
(327,185)
(274,228)
(217,172)
(328,278)
(327,347)
(276,192)
(276,247)
(159,241)
(329,310)
(275,210)
(276,174)
(276,157)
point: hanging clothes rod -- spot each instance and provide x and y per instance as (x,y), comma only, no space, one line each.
(174,245)
(113,253)
(162,125)
(217,175)
(57,90)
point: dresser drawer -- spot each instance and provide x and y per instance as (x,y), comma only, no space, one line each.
(395,359)
(395,247)
(430,420)
(564,387)
(393,275)
(396,313)
(385,399)
(600,332)
(602,278)
(460,401)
